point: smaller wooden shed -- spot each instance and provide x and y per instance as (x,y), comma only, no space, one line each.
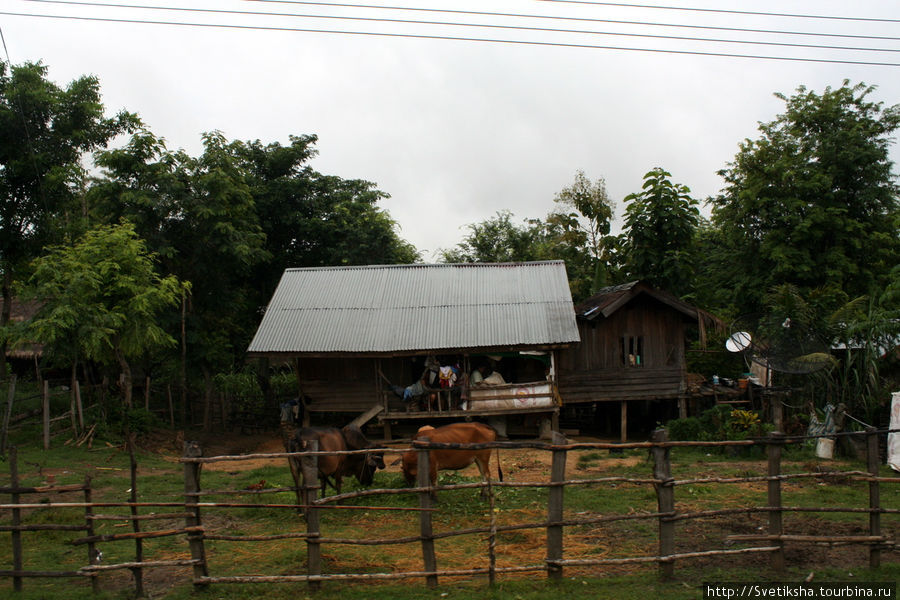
(358,336)
(633,339)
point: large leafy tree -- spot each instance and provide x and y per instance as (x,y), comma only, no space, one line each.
(232,219)
(199,215)
(101,298)
(813,202)
(658,238)
(44,131)
(310,219)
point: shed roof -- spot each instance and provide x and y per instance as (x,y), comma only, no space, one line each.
(410,308)
(610,299)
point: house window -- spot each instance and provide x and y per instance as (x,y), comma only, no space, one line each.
(632,350)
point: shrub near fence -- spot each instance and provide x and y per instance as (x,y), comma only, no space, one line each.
(200,530)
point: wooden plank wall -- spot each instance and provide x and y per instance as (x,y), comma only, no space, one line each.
(351,384)
(610,385)
(593,370)
(339,384)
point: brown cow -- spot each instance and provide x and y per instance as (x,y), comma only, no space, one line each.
(336,466)
(455,433)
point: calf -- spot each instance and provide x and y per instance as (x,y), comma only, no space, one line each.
(455,433)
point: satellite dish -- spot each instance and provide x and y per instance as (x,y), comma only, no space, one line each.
(738,342)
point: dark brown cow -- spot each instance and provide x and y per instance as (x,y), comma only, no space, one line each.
(336,466)
(455,433)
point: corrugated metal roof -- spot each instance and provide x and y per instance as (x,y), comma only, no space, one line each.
(399,308)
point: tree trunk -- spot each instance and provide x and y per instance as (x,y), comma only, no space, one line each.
(126,377)
(5,315)
(207,399)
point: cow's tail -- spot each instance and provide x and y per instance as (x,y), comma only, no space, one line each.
(499,470)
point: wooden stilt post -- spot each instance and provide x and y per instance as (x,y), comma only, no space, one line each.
(309,467)
(874,496)
(623,426)
(777,412)
(665,495)
(423,480)
(191,488)
(773,450)
(555,508)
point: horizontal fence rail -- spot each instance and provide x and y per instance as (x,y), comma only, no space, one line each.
(191,509)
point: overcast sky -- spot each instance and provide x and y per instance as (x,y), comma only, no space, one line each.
(456,130)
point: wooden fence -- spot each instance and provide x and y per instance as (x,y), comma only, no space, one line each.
(192,510)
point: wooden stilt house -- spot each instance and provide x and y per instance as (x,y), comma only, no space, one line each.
(400,343)
(632,348)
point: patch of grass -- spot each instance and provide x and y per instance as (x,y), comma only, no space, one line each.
(588,459)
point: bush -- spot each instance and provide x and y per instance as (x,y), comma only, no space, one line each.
(720,423)
(686,429)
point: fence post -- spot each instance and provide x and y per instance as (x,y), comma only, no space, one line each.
(191,488)
(16,518)
(492,537)
(8,413)
(555,508)
(773,451)
(309,468)
(89,531)
(874,496)
(665,497)
(423,480)
(138,572)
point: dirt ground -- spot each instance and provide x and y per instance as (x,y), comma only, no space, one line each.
(520,464)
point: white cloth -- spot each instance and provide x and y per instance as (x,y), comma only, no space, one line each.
(893,446)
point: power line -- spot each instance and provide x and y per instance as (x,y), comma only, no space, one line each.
(568,18)
(471,25)
(724,11)
(452,38)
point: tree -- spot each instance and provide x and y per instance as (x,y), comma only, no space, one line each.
(102,296)
(578,232)
(498,239)
(44,131)
(575,232)
(232,219)
(310,219)
(660,226)
(593,211)
(813,202)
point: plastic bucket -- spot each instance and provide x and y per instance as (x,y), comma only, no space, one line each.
(825,448)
